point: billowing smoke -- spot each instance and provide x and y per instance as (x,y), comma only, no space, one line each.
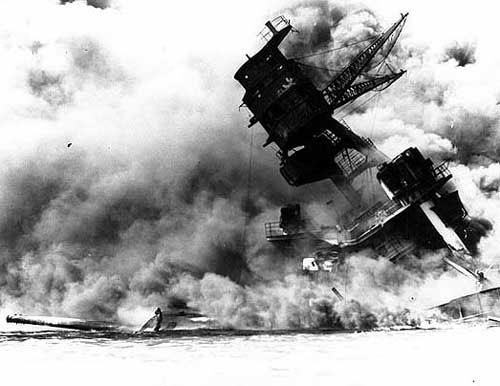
(101,4)
(125,161)
(325,27)
(462,53)
(447,108)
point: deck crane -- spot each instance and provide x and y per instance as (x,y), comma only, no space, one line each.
(341,88)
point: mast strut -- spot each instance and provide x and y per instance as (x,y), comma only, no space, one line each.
(341,83)
(358,89)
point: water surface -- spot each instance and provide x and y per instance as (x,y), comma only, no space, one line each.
(463,355)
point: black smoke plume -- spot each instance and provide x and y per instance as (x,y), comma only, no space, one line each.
(101,4)
(462,53)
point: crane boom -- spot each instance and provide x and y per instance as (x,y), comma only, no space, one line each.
(358,89)
(348,75)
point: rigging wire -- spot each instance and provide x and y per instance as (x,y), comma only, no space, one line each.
(345,279)
(325,68)
(371,184)
(334,49)
(374,115)
(249,187)
(318,67)
(357,107)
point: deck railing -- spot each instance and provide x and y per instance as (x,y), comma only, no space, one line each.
(273,229)
(441,171)
(372,217)
(278,23)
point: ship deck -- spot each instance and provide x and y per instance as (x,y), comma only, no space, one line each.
(356,232)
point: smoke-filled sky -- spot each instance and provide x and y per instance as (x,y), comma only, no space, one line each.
(124,172)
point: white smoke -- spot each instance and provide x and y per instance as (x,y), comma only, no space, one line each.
(125,159)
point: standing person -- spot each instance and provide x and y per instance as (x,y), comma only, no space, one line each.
(159,319)
(154,322)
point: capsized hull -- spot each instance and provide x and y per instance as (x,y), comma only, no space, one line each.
(58,322)
(481,304)
(180,319)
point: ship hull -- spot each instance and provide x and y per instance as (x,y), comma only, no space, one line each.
(481,304)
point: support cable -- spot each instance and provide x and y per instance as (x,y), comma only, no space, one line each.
(246,206)
(334,49)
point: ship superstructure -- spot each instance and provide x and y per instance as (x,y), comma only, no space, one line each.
(414,207)
(298,117)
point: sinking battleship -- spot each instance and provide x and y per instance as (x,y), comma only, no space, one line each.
(394,207)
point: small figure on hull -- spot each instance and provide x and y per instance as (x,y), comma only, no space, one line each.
(159,319)
(154,322)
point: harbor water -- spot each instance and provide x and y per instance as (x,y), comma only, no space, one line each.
(461,355)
